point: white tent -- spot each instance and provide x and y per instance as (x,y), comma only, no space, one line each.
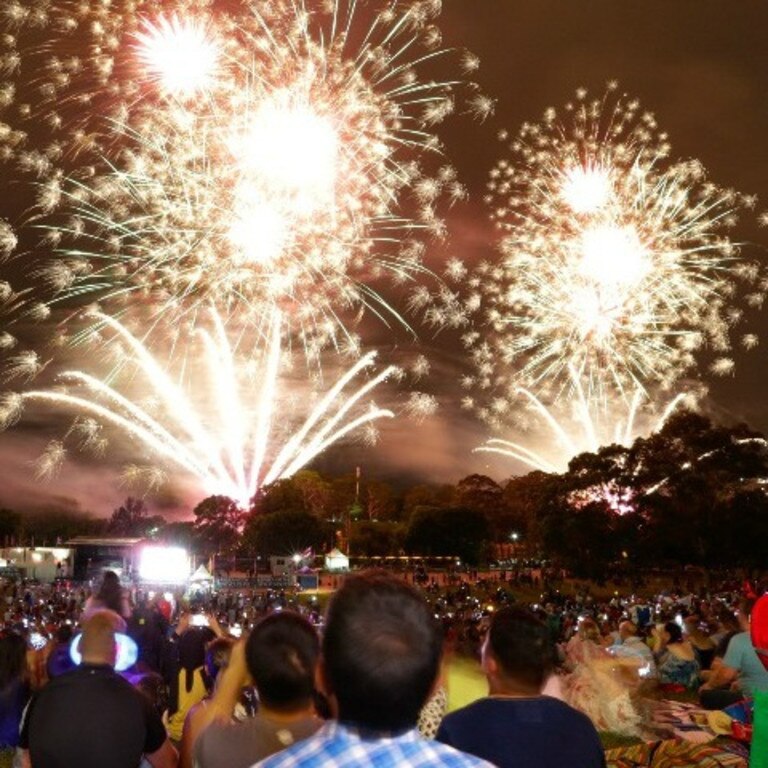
(335,560)
(201,574)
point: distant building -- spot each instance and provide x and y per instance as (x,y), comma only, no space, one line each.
(41,563)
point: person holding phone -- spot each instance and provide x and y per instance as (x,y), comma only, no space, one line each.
(187,678)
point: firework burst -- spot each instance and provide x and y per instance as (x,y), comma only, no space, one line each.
(255,160)
(228,434)
(615,263)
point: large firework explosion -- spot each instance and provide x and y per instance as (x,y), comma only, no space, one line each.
(271,159)
(255,159)
(230,425)
(615,263)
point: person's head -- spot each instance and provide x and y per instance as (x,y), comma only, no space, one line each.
(744,612)
(728,620)
(110,592)
(64,634)
(97,643)
(518,653)
(281,654)
(13,657)
(672,632)
(627,629)
(381,652)
(217,655)
(692,628)
(588,630)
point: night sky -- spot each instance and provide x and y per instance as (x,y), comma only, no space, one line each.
(700,65)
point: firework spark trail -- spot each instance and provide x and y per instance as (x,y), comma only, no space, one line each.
(615,261)
(234,456)
(590,435)
(273,157)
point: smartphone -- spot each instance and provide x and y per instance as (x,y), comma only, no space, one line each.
(36,641)
(199,620)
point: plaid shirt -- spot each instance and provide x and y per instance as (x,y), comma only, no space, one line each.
(343,746)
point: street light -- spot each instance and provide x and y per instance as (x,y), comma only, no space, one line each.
(514,536)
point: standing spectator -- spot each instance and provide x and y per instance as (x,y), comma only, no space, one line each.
(515,726)
(14,686)
(110,596)
(280,656)
(380,659)
(217,655)
(187,678)
(91,717)
(59,660)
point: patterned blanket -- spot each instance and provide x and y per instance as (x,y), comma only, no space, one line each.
(683,737)
(680,754)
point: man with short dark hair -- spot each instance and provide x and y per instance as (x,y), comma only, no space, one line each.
(516,726)
(91,717)
(380,658)
(281,657)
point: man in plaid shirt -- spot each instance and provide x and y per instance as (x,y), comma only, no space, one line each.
(380,659)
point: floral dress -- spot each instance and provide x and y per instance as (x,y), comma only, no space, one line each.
(676,671)
(596,687)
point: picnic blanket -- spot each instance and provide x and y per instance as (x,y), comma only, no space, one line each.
(686,735)
(722,753)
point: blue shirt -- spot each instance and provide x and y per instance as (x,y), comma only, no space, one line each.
(343,746)
(536,732)
(741,655)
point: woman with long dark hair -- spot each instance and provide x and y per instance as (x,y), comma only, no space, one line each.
(111,595)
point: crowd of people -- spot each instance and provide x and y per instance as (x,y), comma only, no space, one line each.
(360,683)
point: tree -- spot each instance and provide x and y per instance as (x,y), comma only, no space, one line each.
(451,531)
(482,494)
(179,534)
(306,490)
(526,498)
(10,527)
(285,533)
(673,497)
(218,524)
(377,539)
(380,501)
(132,518)
(426,496)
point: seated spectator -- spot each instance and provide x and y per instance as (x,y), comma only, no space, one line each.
(703,645)
(14,686)
(675,658)
(516,726)
(630,644)
(380,660)
(280,656)
(91,717)
(740,674)
(728,625)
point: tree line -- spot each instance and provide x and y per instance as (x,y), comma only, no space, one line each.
(693,493)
